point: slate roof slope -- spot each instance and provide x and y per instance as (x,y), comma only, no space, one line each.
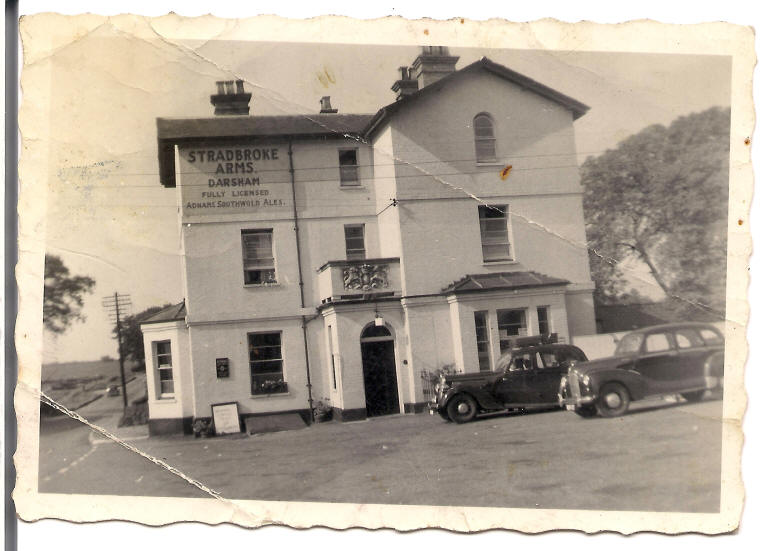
(176,312)
(473,283)
(246,126)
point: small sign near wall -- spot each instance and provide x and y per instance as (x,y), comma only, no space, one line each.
(225,418)
(223,368)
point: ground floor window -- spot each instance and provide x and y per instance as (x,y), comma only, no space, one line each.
(543,317)
(511,323)
(266,363)
(164,368)
(482,340)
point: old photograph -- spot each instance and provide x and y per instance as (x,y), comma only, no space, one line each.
(453,279)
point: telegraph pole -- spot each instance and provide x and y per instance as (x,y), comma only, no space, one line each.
(115,306)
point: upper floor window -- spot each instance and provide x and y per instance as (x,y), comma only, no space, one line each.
(486,143)
(347,162)
(163,353)
(495,242)
(355,241)
(258,260)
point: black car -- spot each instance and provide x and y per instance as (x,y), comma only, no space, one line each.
(678,358)
(528,376)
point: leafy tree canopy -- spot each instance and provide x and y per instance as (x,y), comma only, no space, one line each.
(63,295)
(660,198)
(132,337)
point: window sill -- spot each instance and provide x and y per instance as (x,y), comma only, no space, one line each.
(260,285)
(264,396)
(490,163)
(166,400)
(353,186)
(501,263)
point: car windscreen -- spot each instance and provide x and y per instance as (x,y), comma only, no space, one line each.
(630,344)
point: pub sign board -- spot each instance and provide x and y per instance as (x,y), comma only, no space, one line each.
(225,418)
(234,179)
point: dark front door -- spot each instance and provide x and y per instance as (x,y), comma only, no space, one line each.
(379,369)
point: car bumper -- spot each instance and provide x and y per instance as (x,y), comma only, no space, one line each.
(573,395)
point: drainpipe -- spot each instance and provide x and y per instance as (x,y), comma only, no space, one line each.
(301,278)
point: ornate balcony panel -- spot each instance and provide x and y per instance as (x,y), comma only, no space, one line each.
(340,280)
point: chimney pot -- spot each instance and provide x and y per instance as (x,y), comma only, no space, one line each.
(231,98)
(325,105)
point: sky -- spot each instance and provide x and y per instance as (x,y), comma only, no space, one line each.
(107,214)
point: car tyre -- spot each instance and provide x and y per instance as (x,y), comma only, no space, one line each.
(461,408)
(585,411)
(443,415)
(613,400)
(695,396)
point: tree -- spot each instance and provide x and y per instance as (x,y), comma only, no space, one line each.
(62,295)
(660,198)
(132,337)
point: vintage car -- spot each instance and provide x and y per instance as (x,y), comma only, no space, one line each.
(527,376)
(679,358)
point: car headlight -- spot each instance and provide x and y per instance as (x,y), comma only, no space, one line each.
(585,380)
(563,381)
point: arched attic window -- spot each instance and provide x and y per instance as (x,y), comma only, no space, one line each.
(486,143)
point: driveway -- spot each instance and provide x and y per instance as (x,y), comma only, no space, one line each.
(663,456)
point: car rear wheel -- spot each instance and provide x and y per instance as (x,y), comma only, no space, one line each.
(461,408)
(613,400)
(695,396)
(585,411)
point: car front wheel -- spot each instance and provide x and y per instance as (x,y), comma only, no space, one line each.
(585,411)
(613,400)
(461,408)
(694,396)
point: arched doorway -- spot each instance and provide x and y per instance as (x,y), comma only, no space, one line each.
(379,371)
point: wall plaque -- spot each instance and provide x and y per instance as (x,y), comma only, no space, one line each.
(223,368)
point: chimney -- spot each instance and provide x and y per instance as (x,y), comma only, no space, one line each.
(230,98)
(325,105)
(433,63)
(406,85)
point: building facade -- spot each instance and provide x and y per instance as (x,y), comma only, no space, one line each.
(341,257)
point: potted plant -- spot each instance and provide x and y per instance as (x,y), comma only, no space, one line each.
(202,428)
(322,410)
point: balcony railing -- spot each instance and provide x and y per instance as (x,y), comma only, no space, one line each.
(368,279)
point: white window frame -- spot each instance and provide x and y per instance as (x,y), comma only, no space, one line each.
(539,321)
(486,342)
(160,394)
(251,363)
(354,254)
(490,241)
(488,140)
(522,330)
(348,173)
(263,264)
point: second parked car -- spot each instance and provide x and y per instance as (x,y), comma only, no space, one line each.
(681,358)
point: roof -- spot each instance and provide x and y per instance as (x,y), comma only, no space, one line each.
(270,126)
(474,283)
(576,107)
(322,125)
(175,312)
